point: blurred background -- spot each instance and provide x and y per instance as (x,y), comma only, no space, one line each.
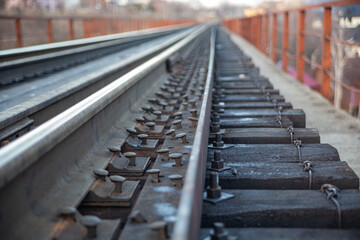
(75,19)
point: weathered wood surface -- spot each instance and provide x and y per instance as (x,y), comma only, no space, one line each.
(273,153)
(250,98)
(266,122)
(270,175)
(287,234)
(254,91)
(255,105)
(267,136)
(244,85)
(283,208)
(297,116)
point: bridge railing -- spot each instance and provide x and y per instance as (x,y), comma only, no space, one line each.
(257,29)
(20,31)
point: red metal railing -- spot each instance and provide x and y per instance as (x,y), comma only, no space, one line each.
(13,34)
(255,30)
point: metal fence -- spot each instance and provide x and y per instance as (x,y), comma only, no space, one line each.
(257,29)
(20,31)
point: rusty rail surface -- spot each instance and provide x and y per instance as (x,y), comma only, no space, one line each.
(256,29)
(189,211)
(49,168)
(89,27)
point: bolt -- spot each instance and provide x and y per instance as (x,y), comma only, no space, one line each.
(137,217)
(193,121)
(132,158)
(140,120)
(143,138)
(215,127)
(177,123)
(182,136)
(185,105)
(151,125)
(215,117)
(217,163)
(192,102)
(218,232)
(131,131)
(165,153)
(118,181)
(68,213)
(90,222)
(178,115)
(192,91)
(157,114)
(161,228)
(193,112)
(177,158)
(214,190)
(153,101)
(163,104)
(147,109)
(154,173)
(218,142)
(171,133)
(177,179)
(114,149)
(216,107)
(101,173)
(185,97)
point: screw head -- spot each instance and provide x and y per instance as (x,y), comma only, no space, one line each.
(101,173)
(177,179)
(114,149)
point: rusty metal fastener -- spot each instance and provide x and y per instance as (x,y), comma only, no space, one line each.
(161,228)
(218,232)
(140,120)
(193,112)
(163,105)
(151,125)
(68,212)
(101,173)
(132,158)
(218,142)
(137,217)
(147,109)
(143,138)
(177,123)
(91,223)
(214,190)
(192,102)
(154,173)
(118,181)
(178,115)
(165,153)
(182,136)
(177,179)
(177,158)
(157,114)
(215,127)
(131,131)
(153,100)
(171,132)
(114,149)
(193,121)
(185,105)
(217,162)
(185,97)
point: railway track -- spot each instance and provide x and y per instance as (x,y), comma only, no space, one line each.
(199,147)
(62,74)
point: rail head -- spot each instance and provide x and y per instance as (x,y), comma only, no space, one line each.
(20,154)
(189,212)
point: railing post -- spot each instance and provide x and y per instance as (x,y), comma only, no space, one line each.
(285,41)
(266,32)
(49,31)
(326,54)
(300,48)
(273,41)
(71,29)
(18,32)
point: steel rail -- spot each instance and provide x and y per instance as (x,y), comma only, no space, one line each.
(189,211)
(52,47)
(51,166)
(20,154)
(38,105)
